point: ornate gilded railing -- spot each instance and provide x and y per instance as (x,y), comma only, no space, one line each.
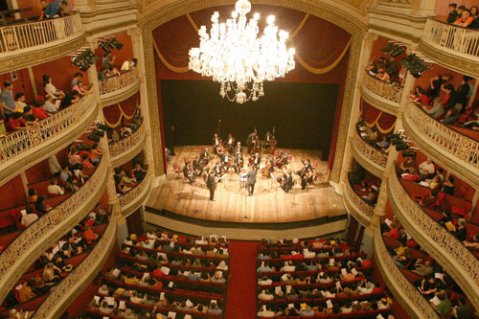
(135,192)
(382,89)
(24,140)
(454,38)
(442,138)
(72,285)
(398,283)
(118,82)
(127,143)
(370,152)
(459,262)
(16,254)
(26,35)
(364,209)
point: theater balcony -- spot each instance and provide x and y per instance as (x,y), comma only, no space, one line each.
(77,281)
(30,43)
(117,88)
(135,197)
(127,148)
(28,246)
(452,46)
(383,95)
(443,246)
(405,293)
(356,206)
(24,148)
(447,146)
(370,157)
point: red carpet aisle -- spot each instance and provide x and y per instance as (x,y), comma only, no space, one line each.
(241,298)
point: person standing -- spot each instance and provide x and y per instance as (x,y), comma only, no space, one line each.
(211,184)
(251,180)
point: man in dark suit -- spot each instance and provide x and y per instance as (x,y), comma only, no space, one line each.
(251,180)
(211,184)
(287,183)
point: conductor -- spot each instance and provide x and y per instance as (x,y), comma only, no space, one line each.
(211,184)
(251,180)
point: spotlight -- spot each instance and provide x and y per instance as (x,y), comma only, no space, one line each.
(84,60)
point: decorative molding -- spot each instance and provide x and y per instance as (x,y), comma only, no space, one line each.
(404,292)
(372,159)
(378,93)
(62,295)
(448,251)
(136,197)
(452,46)
(342,18)
(119,87)
(29,245)
(457,152)
(127,148)
(37,54)
(56,132)
(356,206)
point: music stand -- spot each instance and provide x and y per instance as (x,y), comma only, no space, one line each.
(293,190)
(246,193)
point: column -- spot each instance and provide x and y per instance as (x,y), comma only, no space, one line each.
(138,51)
(409,84)
(380,209)
(424,8)
(367,46)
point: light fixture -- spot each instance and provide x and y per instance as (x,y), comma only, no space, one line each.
(233,54)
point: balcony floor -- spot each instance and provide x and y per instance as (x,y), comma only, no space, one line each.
(269,204)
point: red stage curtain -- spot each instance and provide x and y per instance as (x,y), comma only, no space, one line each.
(383,121)
(114,114)
(174,39)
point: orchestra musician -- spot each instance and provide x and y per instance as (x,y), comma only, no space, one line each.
(216,141)
(249,141)
(286,181)
(204,156)
(268,168)
(254,160)
(220,150)
(230,143)
(281,159)
(238,148)
(238,161)
(256,145)
(189,173)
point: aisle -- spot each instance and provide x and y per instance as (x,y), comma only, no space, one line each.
(241,298)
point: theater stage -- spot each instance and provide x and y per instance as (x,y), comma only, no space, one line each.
(269,203)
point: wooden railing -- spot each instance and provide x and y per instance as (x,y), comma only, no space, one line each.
(382,89)
(442,138)
(370,152)
(127,143)
(55,220)
(26,35)
(366,210)
(75,281)
(23,140)
(440,244)
(118,82)
(135,192)
(398,283)
(456,39)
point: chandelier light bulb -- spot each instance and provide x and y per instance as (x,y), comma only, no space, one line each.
(240,57)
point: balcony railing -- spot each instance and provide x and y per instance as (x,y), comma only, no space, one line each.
(75,282)
(459,262)
(32,241)
(370,152)
(135,192)
(366,211)
(382,89)
(24,140)
(118,82)
(127,143)
(451,37)
(397,282)
(26,35)
(443,139)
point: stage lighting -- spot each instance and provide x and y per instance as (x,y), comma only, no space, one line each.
(84,60)
(415,65)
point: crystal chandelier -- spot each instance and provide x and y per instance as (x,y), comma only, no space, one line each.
(234,55)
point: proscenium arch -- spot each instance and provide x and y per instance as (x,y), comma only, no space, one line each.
(157,14)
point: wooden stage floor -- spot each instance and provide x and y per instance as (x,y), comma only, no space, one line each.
(269,203)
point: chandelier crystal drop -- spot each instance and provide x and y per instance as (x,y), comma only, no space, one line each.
(233,54)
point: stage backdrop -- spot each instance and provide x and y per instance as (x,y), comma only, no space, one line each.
(302,113)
